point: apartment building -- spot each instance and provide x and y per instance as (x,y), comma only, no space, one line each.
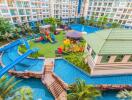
(20,11)
(117,10)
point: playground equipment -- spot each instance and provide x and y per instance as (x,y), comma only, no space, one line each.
(60,50)
(45,34)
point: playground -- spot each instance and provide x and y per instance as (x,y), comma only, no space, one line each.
(46,41)
(48,49)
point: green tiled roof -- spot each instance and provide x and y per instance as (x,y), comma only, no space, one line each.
(111,41)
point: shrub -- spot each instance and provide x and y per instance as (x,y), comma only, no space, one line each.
(78,60)
(22,49)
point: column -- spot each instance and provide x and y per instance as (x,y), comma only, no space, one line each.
(126,58)
(112,59)
(99,58)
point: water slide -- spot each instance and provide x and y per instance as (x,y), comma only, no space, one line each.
(8,67)
(10,45)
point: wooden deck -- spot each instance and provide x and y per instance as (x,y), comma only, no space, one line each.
(55,85)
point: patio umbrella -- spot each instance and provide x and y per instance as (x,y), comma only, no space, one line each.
(74,35)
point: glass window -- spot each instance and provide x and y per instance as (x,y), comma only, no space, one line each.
(130,59)
(105,58)
(4,10)
(93,54)
(119,58)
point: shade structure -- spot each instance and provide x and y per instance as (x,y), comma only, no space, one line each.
(74,35)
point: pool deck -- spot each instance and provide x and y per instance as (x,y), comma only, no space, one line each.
(55,85)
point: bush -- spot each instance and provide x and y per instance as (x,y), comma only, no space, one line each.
(22,49)
(78,60)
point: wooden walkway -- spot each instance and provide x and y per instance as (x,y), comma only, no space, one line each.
(55,85)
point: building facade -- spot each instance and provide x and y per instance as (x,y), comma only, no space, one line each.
(109,52)
(117,10)
(29,10)
(32,10)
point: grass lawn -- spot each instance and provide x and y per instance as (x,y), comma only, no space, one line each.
(48,49)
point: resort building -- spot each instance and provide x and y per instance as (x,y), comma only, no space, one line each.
(20,11)
(109,52)
(117,10)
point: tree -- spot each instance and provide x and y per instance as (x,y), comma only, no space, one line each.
(23,93)
(81,91)
(99,22)
(6,86)
(82,20)
(105,21)
(125,95)
(50,20)
(38,24)
(5,29)
(102,21)
(115,25)
(92,20)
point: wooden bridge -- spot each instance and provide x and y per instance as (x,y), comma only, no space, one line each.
(55,85)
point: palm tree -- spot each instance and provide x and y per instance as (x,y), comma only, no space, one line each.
(99,22)
(81,91)
(6,86)
(115,25)
(50,20)
(38,24)
(82,20)
(102,21)
(24,93)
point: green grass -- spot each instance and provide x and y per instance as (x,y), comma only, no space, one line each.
(48,49)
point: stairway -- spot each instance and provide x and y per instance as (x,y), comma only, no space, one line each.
(51,82)
(56,89)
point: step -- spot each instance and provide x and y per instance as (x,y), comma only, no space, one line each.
(56,88)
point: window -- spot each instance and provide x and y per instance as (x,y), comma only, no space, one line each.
(119,58)
(4,10)
(105,58)
(93,54)
(130,59)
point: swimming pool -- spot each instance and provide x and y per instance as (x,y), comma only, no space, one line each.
(88,29)
(69,73)
(64,70)
(25,65)
(108,95)
(40,92)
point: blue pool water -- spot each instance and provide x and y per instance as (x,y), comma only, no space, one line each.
(39,90)
(66,71)
(108,95)
(26,64)
(69,73)
(88,29)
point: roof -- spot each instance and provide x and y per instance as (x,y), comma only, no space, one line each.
(111,41)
